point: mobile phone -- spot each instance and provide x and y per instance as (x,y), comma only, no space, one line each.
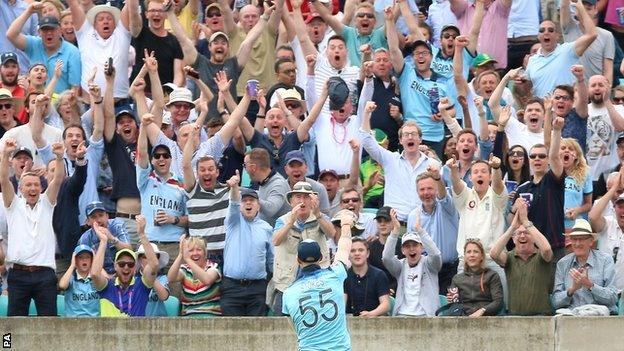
(110,68)
(193,73)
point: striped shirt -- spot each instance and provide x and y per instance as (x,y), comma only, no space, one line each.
(198,299)
(324,70)
(206,214)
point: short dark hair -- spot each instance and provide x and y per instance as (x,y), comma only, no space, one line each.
(423,176)
(260,157)
(75,125)
(337,37)
(279,62)
(476,162)
(467,131)
(285,47)
(539,146)
(567,88)
(206,158)
(536,100)
(358,239)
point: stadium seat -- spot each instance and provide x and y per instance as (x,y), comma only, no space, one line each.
(443,301)
(172,305)
(4,305)
(392,302)
(369,210)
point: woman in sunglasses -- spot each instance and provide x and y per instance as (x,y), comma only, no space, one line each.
(578,183)
(516,165)
(478,288)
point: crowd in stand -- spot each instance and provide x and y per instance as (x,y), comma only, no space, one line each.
(165,150)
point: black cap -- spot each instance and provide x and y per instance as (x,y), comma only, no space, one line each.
(309,251)
(384,213)
(161,147)
(8,56)
(338,93)
(249,192)
(49,22)
(23,150)
(418,43)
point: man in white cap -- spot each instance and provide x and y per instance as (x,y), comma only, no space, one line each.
(416,274)
(105,32)
(304,221)
(584,281)
(315,301)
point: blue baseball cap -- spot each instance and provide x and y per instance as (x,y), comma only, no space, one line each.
(123,110)
(82,248)
(295,155)
(8,56)
(309,251)
(94,206)
(249,192)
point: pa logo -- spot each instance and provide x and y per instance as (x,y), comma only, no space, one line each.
(6,341)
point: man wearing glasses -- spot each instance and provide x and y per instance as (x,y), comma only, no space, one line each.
(363,33)
(544,194)
(549,67)
(573,111)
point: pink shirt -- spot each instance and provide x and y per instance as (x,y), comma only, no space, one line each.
(615,13)
(493,35)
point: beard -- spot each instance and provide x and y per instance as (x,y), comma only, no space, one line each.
(6,82)
(596,99)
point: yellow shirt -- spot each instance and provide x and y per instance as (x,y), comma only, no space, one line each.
(261,60)
(186,19)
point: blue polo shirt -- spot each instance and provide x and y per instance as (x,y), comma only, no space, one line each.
(117,229)
(68,53)
(160,194)
(81,298)
(377,39)
(444,67)
(118,302)
(415,98)
(548,71)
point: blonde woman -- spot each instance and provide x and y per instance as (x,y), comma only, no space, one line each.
(200,279)
(578,183)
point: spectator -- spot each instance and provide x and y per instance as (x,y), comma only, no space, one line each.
(81,298)
(522,31)
(573,110)
(400,170)
(11,11)
(545,192)
(163,201)
(105,32)
(248,255)
(272,186)
(598,58)
(478,287)
(116,234)
(286,74)
(371,172)
(67,28)
(480,214)
(200,278)
(296,169)
(160,291)
(516,166)
(377,244)
(493,36)
(9,75)
(584,282)
(601,150)
(565,55)
(48,48)
(366,287)
(578,183)
(528,270)
(31,242)
(439,15)
(9,106)
(186,13)
(122,295)
(417,291)
(609,227)
(304,221)
(468,143)
(440,219)
(351,199)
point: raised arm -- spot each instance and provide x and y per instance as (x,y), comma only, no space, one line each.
(36,123)
(51,86)
(484,133)
(498,252)
(8,193)
(59,173)
(63,283)
(596,218)
(396,56)
(553,152)
(580,104)
(158,97)
(96,99)
(150,270)
(410,20)
(109,105)
(475,28)
(354,171)
(188,48)
(134,22)
(497,175)
(564,15)
(497,94)
(307,46)
(461,42)
(305,126)
(326,15)
(589,30)
(234,120)
(616,118)
(187,156)
(99,277)
(228,16)
(143,157)
(14,32)
(538,238)
(78,14)
(344,243)
(389,259)
(174,275)
(458,185)
(244,51)
(275,17)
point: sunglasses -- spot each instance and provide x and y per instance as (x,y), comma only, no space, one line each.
(549,29)
(516,154)
(213,14)
(448,36)
(540,156)
(158,156)
(617,100)
(367,15)
(6,106)
(561,97)
(352,199)
(124,264)
(293,105)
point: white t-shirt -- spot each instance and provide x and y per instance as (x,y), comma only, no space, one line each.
(601,136)
(332,142)
(482,219)
(31,239)
(23,136)
(611,236)
(518,134)
(412,279)
(95,51)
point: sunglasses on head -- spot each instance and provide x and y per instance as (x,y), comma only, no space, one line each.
(367,15)
(6,106)
(549,29)
(124,264)
(160,155)
(352,199)
(540,156)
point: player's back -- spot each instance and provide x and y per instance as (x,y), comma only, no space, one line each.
(315,303)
